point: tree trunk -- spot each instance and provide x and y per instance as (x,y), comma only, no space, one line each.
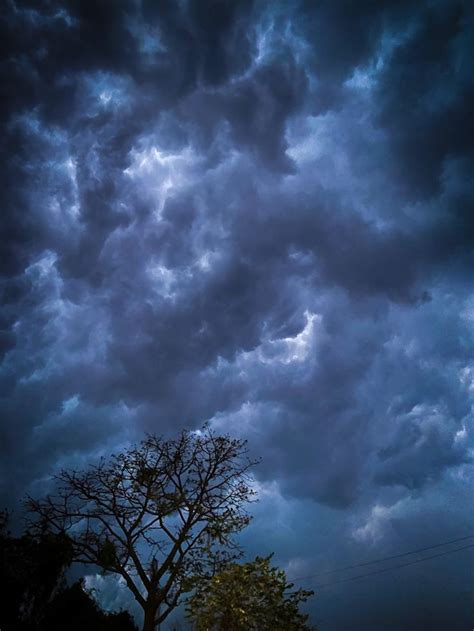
(149,619)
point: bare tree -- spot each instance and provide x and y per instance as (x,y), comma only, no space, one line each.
(157,515)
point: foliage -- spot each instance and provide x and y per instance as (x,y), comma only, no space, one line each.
(156,514)
(245,597)
(73,609)
(31,572)
(35,596)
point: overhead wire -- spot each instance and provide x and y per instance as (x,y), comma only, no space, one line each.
(387,558)
(394,567)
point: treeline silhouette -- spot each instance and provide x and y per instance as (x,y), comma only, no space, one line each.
(35,593)
(163,515)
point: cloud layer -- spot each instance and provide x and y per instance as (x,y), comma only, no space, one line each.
(258,215)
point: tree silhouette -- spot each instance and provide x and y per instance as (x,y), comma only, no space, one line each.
(157,514)
(32,571)
(74,609)
(35,595)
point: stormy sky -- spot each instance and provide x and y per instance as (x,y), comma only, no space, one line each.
(260,215)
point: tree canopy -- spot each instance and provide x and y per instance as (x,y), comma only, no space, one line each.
(251,596)
(35,593)
(158,514)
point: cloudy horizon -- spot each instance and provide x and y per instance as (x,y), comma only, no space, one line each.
(257,215)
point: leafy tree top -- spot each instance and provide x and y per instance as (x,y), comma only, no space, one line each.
(246,597)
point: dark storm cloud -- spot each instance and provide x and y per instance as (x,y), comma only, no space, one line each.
(434,122)
(257,215)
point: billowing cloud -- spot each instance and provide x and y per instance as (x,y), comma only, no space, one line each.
(257,215)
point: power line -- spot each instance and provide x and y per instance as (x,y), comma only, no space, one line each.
(394,567)
(382,559)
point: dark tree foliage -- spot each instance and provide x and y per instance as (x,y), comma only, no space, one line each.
(35,595)
(32,571)
(157,515)
(251,596)
(75,610)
